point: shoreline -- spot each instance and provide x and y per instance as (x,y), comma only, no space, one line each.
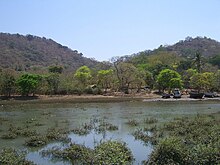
(93,99)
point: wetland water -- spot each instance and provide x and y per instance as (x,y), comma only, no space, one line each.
(41,117)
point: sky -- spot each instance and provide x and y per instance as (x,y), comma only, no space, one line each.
(102,29)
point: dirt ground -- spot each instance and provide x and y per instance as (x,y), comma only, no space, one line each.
(92,98)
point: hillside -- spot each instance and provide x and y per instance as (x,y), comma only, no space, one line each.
(184,50)
(187,48)
(27,52)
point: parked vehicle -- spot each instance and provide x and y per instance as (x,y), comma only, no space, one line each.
(177,93)
(211,94)
(196,95)
(166,95)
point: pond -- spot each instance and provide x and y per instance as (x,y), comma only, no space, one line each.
(72,116)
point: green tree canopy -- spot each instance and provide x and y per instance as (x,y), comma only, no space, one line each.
(55,69)
(168,79)
(82,75)
(28,83)
(7,82)
(53,81)
(104,78)
(202,81)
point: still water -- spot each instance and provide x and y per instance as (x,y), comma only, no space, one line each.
(73,115)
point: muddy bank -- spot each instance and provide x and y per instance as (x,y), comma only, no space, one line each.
(75,98)
(92,98)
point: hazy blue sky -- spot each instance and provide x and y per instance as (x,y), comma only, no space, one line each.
(106,28)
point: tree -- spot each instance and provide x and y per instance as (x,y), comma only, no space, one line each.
(53,81)
(217,81)
(127,74)
(202,81)
(168,79)
(215,60)
(55,69)
(187,76)
(104,78)
(198,62)
(7,83)
(28,83)
(83,75)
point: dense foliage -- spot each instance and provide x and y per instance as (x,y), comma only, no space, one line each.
(189,141)
(109,152)
(11,156)
(183,65)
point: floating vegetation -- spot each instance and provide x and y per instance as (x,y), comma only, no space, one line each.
(105,126)
(189,141)
(110,152)
(38,124)
(13,157)
(113,152)
(150,120)
(140,134)
(152,128)
(54,134)
(132,122)
(99,125)
(29,121)
(80,131)
(21,131)
(36,141)
(84,130)
(9,135)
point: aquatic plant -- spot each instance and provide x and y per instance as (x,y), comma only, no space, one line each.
(9,156)
(150,120)
(57,134)
(140,134)
(9,135)
(109,152)
(152,128)
(132,122)
(36,141)
(80,131)
(105,126)
(113,152)
(168,151)
(189,141)
(21,131)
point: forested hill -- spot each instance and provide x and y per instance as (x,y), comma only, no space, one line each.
(28,52)
(182,53)
(187,48)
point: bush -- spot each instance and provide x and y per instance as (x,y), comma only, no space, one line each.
(12,157)
(169,151)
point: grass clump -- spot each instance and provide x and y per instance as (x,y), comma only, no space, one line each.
(150,120)
(139,134)
(132,123)
(36,141)
(105,126)
(9,156)
(110,152)
(9,135)
(189,141)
